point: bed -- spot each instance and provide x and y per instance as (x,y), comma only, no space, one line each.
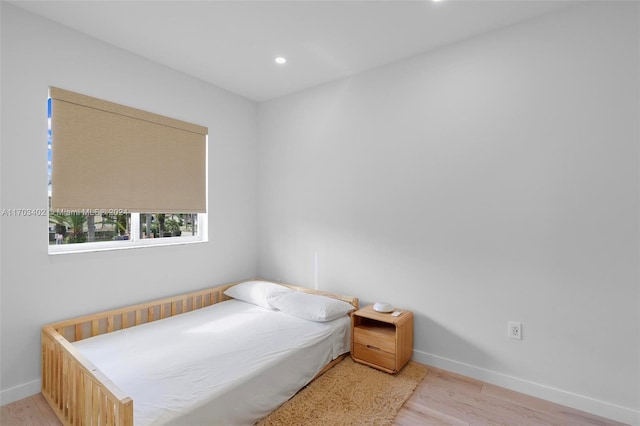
(207,357)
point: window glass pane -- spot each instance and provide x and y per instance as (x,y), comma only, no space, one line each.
(77,227)
(164,225)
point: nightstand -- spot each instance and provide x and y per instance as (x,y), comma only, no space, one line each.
(381,340)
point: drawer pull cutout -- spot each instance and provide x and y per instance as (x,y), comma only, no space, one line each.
(373,347)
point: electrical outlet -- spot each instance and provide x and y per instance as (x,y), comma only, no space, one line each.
(515,330)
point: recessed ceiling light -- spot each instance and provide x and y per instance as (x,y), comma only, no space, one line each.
(280,60)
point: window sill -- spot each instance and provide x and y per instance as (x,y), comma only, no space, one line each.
(55,250)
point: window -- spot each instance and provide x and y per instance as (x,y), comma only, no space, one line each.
(119,177)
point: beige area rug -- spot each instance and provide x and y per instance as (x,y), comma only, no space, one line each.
(349,394)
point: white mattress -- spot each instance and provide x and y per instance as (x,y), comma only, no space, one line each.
(229,363)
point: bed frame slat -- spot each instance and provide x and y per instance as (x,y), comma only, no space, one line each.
(82,395)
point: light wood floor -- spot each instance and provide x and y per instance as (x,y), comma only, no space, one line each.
(443,398)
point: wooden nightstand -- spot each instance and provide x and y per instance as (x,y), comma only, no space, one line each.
(381,340)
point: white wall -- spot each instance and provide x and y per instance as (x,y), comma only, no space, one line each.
(492,180)
(38,288)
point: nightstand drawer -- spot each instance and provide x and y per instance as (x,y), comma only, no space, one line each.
(374,355)
(382,338)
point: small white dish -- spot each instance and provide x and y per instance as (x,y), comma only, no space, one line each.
(383,307)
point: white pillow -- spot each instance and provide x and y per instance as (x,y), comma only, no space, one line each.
(257,292)
(312,307)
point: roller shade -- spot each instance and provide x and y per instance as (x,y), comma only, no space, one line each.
(108,156)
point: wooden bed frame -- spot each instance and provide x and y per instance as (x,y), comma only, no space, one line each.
(78,392)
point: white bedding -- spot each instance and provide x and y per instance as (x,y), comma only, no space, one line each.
(229,363)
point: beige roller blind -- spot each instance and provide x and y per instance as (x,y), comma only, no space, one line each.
(109,156)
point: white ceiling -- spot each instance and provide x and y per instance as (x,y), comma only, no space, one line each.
(232,44)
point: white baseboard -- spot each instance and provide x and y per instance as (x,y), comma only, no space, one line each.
(559,396)
(7,396)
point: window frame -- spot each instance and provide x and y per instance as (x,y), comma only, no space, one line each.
(134,241)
